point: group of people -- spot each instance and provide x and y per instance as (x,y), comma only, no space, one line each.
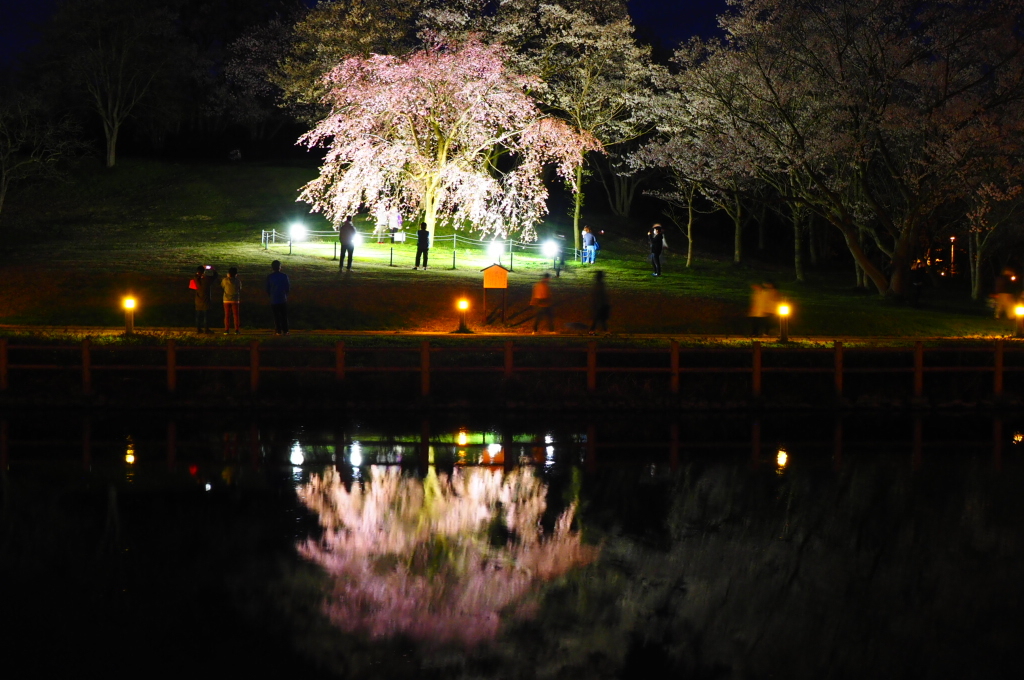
(277,286)
(347,241)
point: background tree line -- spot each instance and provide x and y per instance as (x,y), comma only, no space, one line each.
(877,128)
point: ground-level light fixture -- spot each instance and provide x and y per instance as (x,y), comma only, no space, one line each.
(296,232)
(550,249)
(784,310)
(129,304)
(1019,312)
(494,250)
(463,306)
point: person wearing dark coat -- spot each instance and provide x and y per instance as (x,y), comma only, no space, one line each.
(278,287)
(347,239)
(201,283)
(656,239)
(422,245)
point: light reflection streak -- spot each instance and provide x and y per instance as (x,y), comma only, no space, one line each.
(438,559)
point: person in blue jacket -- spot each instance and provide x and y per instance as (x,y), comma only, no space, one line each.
(278,287)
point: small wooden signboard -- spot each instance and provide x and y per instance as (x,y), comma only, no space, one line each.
(496,278)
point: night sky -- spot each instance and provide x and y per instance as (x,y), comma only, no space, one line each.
(669,21)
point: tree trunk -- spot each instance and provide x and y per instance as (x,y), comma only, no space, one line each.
(974,259)
(737,217)
(111,130)
(798,244)
(577,207)
(813,238)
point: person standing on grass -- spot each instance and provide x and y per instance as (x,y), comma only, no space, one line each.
(599,305)
(232,287)
(541,301)
(278,287)
(656,239)
(422,245)
(347,239)
(589,246)
(200,284)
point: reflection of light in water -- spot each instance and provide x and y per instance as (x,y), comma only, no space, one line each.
(129,453)
(548,439)
(781,458)
(355,456)
(1018,437)
(549,456)
(463,438)
(209,486)
(297,458)
(419,558)
(494,449)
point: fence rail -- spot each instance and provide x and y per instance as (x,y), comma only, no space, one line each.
(673,361)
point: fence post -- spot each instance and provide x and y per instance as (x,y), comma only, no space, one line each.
(86,366)
(254,366)
(997,377)
(918,369)
(675,366)
(425,369)
(509,360)
(172,367)
(755,378)
(3,364)
(838,345)
(591,366)
(339,361)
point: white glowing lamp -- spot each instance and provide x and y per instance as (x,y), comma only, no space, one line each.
(297,232)
(549,249)
(494,250)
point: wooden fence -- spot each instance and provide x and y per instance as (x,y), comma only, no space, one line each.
(675,362)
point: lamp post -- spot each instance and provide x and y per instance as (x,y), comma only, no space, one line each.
(463,306)
(1019,312)
(952,253)
(784,310)
(129,315)
(297,232)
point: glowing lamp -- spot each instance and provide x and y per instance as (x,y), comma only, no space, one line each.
(784,309)
(549,249)
(494,250)
(129,457)
(357,239)
(782,458)
(297,232)
(1019,310)
(463,304)
(129,314)
(463,439)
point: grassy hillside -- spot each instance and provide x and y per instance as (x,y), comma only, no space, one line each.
(74,249)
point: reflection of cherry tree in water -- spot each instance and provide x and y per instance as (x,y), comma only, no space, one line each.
(439,559)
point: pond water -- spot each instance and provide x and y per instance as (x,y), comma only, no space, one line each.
(384,546)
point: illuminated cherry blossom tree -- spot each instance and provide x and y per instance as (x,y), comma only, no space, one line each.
(436,560)
(447,132)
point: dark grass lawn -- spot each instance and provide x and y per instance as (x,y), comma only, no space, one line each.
(75,249)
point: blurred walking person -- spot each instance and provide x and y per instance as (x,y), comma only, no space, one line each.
(764,298)
(422,245)
(232,287)
(347,239)
(541,301)
(278,287)
(599,305)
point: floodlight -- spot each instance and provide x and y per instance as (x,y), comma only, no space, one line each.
(494,250)
(549,249)
(297,232)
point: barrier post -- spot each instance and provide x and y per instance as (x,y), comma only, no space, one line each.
(254,366)
(755,377)
(339,361)
(425,369)
(838,345)
(86,366)
(675,366)
(591,366)
(3,364)
(997,376)
(172,367)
